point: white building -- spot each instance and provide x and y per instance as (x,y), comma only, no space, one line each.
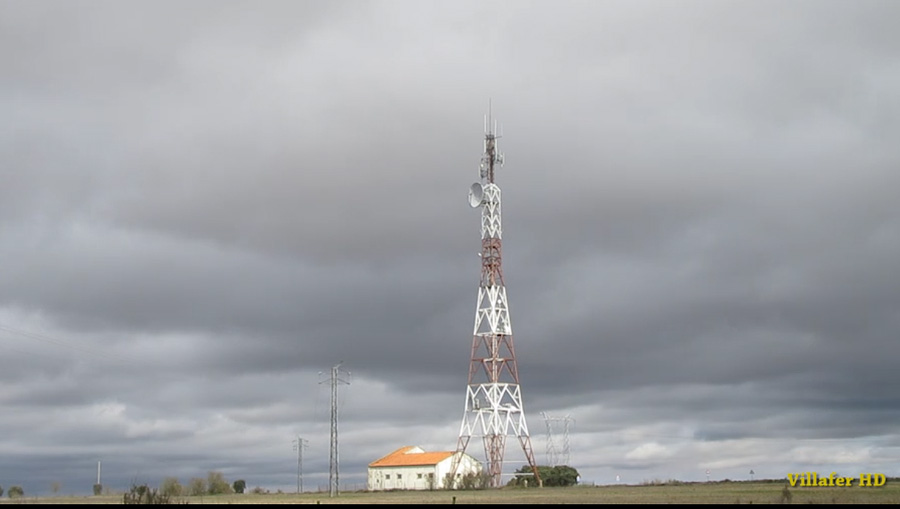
(411,468)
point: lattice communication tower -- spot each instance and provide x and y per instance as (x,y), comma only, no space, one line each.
(493,408)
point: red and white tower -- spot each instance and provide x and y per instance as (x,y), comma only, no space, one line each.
(493,396)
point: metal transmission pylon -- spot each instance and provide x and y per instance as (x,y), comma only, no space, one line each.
(493,408)
(333,470)
(553,454)
(299,444)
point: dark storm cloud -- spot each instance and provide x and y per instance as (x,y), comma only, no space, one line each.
(205,204)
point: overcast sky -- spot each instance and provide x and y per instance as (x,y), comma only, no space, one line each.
(205,204)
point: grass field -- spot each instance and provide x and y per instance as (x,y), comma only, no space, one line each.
(685,493)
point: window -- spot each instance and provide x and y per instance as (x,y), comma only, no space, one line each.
(399,476)
(431,475)
(387,476)
(420,475)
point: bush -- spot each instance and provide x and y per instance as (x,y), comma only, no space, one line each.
(143,494)
(239,486)
(258,491)
(171,487)
(561,475)
(98,489)
(15,492)
(1,491)
(786,495)
(217,485)
(476,481)
(197,487)
(469,481)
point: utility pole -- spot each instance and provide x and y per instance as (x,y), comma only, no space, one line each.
(299,444)
(335,379)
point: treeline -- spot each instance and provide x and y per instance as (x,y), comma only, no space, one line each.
(213,484)
(13,492)
(561,475)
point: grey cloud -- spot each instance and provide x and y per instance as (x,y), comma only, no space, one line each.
(204,205)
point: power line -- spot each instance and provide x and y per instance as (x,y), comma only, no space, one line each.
(65,344)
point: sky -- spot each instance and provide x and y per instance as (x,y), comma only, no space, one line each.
(206,205)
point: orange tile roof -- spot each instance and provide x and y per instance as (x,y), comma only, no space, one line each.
(403,458)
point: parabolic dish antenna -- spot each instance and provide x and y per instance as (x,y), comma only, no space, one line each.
(476,195)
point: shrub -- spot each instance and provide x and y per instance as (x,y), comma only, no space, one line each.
(1,491)
(786,495)
(217,485)
(171,487)
(15,492)
(143,494)
(560,475)
(476,481)
(197,486)
(98,489)
(239,486)
(469,481)
(257,491)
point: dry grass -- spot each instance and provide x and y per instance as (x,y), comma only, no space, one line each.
(683,493)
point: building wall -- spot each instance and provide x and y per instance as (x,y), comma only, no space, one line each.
(422,477)
(402,478)
(467,464)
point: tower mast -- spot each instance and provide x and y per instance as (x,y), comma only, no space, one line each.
(493,407)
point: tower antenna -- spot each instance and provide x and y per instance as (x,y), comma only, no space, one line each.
(492,122)
(493,406)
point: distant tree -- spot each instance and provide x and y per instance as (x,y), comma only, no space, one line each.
(1,491)
(197,486)
(476,481)
(561,475)
(15,492)
(258,491)
(144,494)
(239,486)
(98,489)
(468,481)
(170,487)
(217,485)
(54,487)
